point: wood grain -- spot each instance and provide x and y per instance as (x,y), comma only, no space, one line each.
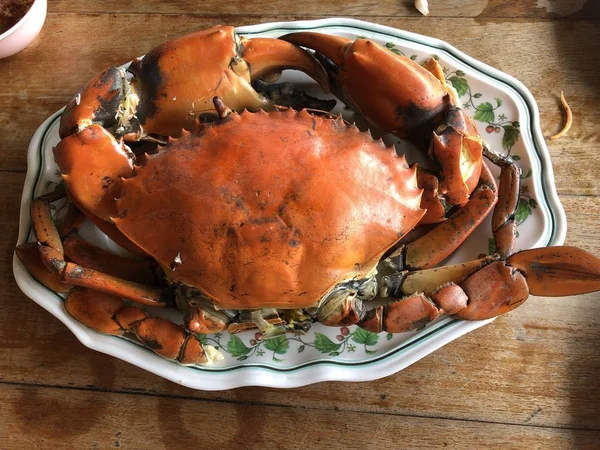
(529,380)
(573,9)
(157,422)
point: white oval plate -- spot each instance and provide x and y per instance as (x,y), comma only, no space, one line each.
(508,119)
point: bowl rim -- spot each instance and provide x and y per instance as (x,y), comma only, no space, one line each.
(30,12)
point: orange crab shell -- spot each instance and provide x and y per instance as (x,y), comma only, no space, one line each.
(270,209)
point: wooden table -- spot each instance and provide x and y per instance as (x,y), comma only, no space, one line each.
(529,380)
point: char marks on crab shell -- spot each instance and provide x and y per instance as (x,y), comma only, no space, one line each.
(257,203)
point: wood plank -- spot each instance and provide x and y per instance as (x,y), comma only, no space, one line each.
(106,420)
(438,8)
(546,56)
(532,367)
(19,119)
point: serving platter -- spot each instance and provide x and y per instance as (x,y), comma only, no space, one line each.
(506,115)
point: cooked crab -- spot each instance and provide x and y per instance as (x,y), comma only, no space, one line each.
(272,219)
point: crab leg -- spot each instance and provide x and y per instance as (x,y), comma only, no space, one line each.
(476,290)
(29,255)
(53,256)
(73,221)
(81,252)
(205,320)
(440,242)
(111,315)
(504,224)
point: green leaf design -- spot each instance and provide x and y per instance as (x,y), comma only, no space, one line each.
(491,246)
(511,136)
(389,336)
(485,112)
(527,174)
(532,203)
(201,338)
(391,47)
(324,344)
(278,344)
(236,347)
(460,73)
(523,210)
(477,95)
(498,102)
(460,84)
(362,336)
(301,348)
(413,57)
(516,157)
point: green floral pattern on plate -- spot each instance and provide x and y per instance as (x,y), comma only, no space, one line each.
(346,341)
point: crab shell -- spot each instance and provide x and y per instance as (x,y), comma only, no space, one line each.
(269,209)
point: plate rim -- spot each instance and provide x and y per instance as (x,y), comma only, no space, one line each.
(252,374)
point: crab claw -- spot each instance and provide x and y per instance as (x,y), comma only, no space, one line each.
(394,93)
(458,148)
(94,178)
(558,271)
(177,80)
(96,102)
(174,83)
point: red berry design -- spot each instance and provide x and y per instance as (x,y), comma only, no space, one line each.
(489,128)
(252,342)
(257,336)
(497,129)
(345,331)
(340,337)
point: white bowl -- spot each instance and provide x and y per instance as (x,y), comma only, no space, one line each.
(25,31)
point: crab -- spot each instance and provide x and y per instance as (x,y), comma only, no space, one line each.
(277,218)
